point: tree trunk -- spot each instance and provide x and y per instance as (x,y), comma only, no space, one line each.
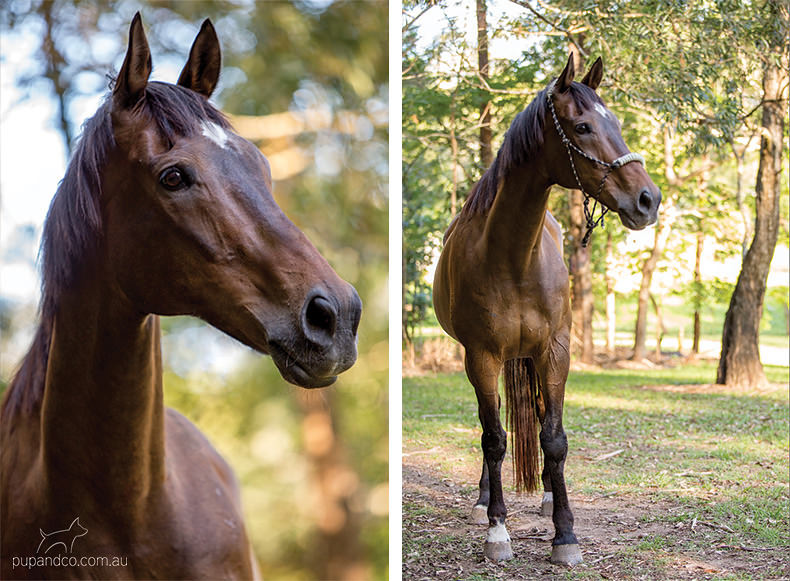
(665,222)
(579,268)
(659,327)
(698,289)
(456,169)
(739,364)
(611,316)
(740,200)
(336,551)
(486,155)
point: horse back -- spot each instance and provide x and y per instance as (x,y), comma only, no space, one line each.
(204,497)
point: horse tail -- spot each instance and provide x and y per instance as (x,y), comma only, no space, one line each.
(521,409)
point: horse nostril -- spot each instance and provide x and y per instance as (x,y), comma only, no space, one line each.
(321,315)
(645,201)
(356,312)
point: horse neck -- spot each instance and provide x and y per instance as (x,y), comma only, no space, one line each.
(514,223)
(102,416)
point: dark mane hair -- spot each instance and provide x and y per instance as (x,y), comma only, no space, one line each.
(522,143)
(73,227)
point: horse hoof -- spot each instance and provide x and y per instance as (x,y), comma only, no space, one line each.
(498,551)
(480,515)
(547,504)
(566,554)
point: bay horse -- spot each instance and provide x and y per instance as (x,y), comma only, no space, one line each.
(163,210)
(501,287)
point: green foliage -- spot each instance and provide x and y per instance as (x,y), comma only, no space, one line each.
(708,292)
(690,70)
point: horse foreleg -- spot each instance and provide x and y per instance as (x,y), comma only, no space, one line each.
(483,372)
(553,369)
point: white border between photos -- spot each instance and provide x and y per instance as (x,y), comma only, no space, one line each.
(395,283)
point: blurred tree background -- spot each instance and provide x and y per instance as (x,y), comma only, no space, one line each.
(307,82)
(701,91)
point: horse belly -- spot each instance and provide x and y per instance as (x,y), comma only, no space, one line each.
(442,295)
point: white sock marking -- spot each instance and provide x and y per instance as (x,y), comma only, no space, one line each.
(497,534)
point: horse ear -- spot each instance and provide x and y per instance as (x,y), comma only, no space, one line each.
(593,77)
(201,72)
(566,76)
(136,68)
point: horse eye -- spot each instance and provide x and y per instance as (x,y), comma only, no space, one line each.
(172,179)
(583,128)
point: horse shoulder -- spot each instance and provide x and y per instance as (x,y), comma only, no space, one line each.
(554,230)
(461,280)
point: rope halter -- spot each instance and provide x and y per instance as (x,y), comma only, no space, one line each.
(570,147)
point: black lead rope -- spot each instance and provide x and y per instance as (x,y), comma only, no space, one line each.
(570,147)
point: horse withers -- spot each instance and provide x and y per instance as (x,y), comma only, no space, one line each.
(163,210)
(501,286)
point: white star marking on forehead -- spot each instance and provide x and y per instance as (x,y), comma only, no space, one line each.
(215,133)
(604,112)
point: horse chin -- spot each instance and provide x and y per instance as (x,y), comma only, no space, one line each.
(639,223)
(293,371)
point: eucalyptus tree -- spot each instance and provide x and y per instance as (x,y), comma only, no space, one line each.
(740,358)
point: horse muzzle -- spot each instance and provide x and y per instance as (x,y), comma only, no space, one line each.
(324,344)
(643,211)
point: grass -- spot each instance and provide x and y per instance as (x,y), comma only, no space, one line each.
(716,455)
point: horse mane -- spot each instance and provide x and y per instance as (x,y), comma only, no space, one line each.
(522,143)
(73,226)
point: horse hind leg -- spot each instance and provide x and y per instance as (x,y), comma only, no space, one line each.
(547,502)
(479,514)
(553,368)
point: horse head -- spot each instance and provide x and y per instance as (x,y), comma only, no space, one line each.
(585,138)
(191,227)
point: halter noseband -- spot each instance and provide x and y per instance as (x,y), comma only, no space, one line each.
(610,167)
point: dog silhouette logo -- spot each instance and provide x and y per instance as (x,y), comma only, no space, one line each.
(66,537)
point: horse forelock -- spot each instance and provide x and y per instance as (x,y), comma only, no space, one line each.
(522,143)
(73,227)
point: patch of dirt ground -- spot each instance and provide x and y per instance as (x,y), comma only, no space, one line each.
(621,537)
